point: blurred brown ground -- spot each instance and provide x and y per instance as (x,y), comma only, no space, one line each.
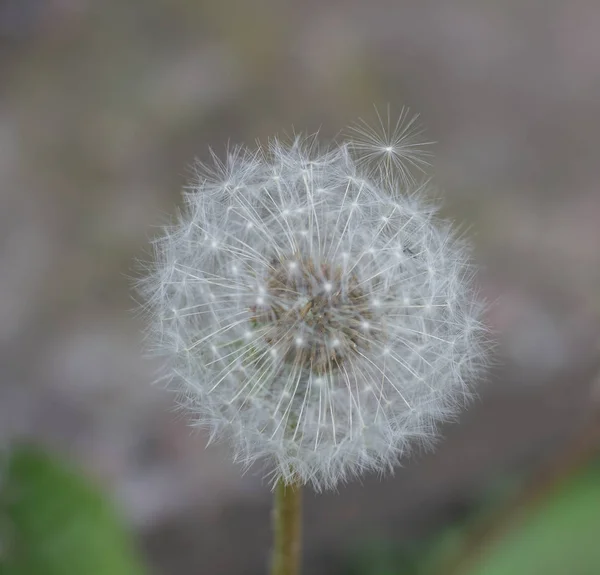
(103,108)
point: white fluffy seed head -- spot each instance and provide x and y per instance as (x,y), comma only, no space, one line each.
(314,311)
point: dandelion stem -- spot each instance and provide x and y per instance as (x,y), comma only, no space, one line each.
(287,527)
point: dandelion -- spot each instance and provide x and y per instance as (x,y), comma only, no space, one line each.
(313,309)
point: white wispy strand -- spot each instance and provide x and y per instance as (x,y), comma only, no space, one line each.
(313,309)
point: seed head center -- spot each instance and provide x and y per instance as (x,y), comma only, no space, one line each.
(314,314)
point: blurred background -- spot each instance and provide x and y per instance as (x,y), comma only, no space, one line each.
(104,106)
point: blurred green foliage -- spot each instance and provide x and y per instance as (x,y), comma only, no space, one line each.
(562,537)
(55,523)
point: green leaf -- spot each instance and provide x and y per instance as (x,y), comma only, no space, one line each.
(53,522)
(563,537)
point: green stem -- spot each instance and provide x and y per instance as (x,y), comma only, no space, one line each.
(287,527)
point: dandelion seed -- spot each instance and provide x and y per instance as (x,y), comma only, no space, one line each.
(393,146)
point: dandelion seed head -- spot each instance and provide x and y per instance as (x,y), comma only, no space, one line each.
(311,308)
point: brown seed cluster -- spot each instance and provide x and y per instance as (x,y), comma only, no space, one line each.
(314,314)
